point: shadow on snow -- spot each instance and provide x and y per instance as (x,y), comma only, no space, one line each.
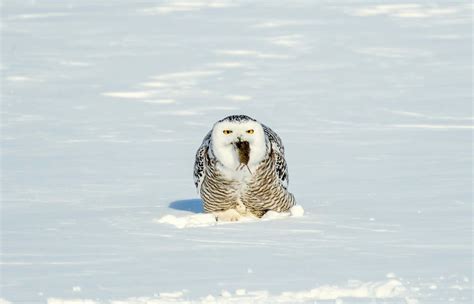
(193,205)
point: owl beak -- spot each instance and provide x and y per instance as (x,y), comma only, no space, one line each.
(237,142)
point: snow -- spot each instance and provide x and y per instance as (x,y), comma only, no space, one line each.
(388,289)
(104,104)
(391,289)
(196,220)
(76,289)
(134,95)
(409,10)
(207,219)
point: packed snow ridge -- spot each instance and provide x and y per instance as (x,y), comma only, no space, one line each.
(208,219)
(387,289)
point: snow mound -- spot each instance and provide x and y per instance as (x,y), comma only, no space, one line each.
(195,220)
(207,219)
(384,289)
(387,289)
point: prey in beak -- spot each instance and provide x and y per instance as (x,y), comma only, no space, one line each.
(243,150)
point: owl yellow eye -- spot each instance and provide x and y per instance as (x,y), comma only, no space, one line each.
(227,132)
(251,131)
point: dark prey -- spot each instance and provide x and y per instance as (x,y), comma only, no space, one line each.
(243,149)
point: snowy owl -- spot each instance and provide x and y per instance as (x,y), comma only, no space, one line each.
(240,169)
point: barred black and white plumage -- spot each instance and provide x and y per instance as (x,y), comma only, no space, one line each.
(240,169)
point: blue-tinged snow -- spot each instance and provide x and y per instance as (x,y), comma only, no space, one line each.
(104,104)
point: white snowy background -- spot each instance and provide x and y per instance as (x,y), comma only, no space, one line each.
(104,104)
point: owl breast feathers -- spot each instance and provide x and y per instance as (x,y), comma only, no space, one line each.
(240,169)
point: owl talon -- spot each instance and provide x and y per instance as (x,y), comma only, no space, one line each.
(230,215)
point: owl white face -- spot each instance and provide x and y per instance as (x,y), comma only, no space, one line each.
(226,133)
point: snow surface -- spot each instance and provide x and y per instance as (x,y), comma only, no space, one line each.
(385,290)
(104,104)
(206,219)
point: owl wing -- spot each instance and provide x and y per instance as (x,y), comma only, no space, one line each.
(279,152)
(200,163)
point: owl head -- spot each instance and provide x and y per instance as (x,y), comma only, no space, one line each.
(236,135)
